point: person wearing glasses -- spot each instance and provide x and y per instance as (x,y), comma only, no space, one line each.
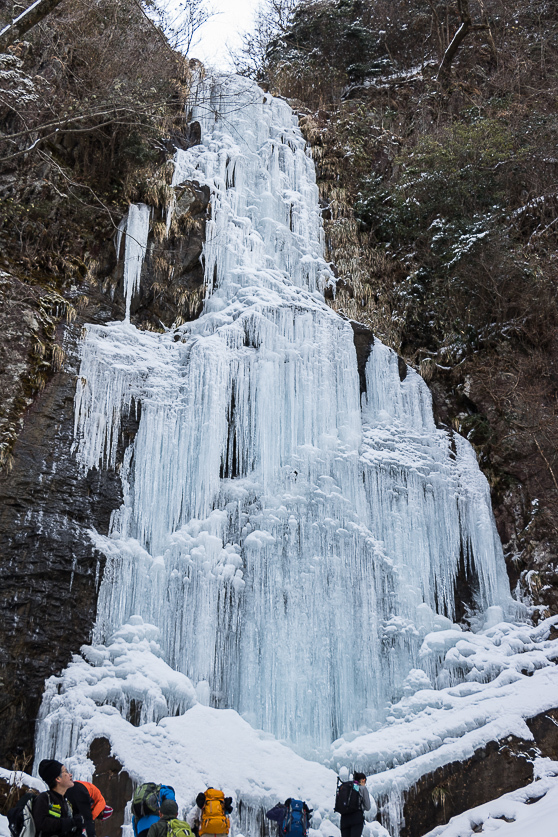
(52,813)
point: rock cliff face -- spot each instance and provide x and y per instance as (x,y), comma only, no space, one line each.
(498,768)
(50,569)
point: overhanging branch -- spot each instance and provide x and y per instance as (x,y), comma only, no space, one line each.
(15,30)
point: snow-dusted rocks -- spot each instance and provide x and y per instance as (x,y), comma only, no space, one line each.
(500,679)
(529,810)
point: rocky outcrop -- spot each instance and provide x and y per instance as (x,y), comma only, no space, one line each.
(498,768)
(172,289)
(114,783)
(364,341)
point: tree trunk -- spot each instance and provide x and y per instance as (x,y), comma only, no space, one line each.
(465,27)
(18,27)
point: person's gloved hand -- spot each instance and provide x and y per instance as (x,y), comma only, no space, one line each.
(77,824)
(228,805)
(105,813)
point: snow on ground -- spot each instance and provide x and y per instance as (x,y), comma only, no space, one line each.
(481,687)
(491,682)
(20,779)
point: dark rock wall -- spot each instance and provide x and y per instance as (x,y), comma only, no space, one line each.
(114,783)
(50,569)
(498,768)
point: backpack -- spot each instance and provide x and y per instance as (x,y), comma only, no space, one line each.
(213,819)
(295,821)
(347,799)
(179,828)
(146,800)
(20,817)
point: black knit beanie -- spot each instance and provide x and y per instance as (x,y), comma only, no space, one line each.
(169,808)
(50,770)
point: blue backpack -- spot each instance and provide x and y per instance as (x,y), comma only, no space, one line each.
(295,821)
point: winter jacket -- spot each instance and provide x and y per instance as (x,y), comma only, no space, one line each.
(277,814)
(88,801)
(161,827)
(52,814)
(357,817)
(98,801)
(145,823)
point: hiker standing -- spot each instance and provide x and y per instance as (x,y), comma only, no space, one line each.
(352,824)
(292,817)
(209,816)
(88,801)
(146,805)
(52,813)
(168,824)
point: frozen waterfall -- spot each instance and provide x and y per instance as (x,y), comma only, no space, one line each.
(292,538)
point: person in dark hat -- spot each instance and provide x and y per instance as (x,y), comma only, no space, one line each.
(352,825)
(52,813)
(167,812)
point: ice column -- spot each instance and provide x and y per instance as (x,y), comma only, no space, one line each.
(135,228)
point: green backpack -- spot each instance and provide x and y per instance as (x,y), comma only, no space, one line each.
(179,828)
(146,800)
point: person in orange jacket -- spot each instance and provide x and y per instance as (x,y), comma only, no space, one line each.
(88,801)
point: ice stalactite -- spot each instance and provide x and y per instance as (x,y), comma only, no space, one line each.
(135,229)
(292,540)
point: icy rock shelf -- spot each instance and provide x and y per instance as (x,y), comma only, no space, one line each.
(287,546)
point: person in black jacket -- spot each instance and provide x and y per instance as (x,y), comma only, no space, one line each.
(52,813)
(352,825)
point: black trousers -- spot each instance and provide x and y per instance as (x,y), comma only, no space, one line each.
(352,830)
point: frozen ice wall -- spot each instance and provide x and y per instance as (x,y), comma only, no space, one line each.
(292,539)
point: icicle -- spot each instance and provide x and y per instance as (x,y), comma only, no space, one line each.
(137,230)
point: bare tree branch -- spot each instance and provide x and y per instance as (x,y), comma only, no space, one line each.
(15,30)
(60,124)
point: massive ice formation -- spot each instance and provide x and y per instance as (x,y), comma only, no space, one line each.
(292,539)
